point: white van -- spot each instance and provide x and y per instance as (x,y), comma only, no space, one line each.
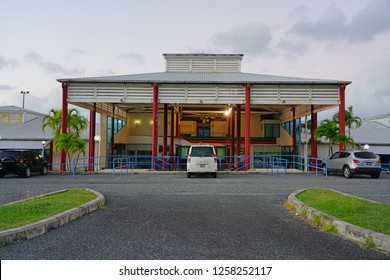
(202,159)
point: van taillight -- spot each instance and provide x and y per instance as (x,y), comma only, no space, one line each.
(215,158)
(379,161)
(21,160)
(189,158)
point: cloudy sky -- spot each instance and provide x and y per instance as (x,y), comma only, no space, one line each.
(43,40)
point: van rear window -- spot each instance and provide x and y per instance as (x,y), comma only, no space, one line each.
(202,152)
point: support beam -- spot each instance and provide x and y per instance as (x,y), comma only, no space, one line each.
(155,126)
(233,117)
(172,138)
(178,123)
(113,135)
(342,114)
(228,121)
(294,132)
(238,144)
(247,126)
(64,127)
(91,140)
(51,155)
(165,134)
(314,153)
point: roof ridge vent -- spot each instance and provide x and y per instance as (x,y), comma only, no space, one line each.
(203,63)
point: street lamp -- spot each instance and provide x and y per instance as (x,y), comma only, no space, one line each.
(43,148)
(24,93)
(97,139)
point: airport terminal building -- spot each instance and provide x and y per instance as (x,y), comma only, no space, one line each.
(201,98)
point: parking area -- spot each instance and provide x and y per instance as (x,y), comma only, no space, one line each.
(170,216)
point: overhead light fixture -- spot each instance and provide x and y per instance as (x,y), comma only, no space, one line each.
(228,111)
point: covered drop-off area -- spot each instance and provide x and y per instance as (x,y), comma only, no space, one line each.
(200,98)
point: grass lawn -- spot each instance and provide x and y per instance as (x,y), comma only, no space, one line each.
(29,211)
(370,215)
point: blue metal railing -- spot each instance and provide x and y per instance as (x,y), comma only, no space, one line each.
(274,164)
(127,163)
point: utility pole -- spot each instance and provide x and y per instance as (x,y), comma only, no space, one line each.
(24,93)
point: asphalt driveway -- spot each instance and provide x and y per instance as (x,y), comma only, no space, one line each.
(156,216)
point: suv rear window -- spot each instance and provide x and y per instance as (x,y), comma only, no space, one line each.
(202,152)
(14,154)
(365,155)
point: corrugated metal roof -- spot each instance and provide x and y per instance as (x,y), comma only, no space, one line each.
(17,110)
(202,78)
(380,150)
(32,130)
(371,132)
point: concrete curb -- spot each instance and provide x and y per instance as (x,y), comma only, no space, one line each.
(349,231)
(41,227)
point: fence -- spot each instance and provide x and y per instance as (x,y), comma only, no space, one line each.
(274,164)
(123,164)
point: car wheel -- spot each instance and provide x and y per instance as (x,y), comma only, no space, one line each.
(347,172)
(2,175)
(27,172)
(376,175)
(44,170)
(214,175)
(188,175)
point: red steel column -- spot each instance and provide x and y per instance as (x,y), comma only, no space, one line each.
(314,154)
(155,126)
(238,145)
(64,127)
(91,140)
(342,114)
(178,123)
(172,139)
(165,134)
(228,119)
(247,126)
(233,117)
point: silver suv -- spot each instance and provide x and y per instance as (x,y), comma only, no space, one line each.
(353,162)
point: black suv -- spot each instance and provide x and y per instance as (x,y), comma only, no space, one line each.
(21,163)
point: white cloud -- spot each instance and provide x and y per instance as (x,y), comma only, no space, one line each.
(132,56)
(331,25)
(370,21)
(252,38)
(6,62)
(51,67)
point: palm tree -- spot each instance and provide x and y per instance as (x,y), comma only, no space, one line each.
(71,143)
(329,130)
(53,120)
(76,122)
(351,121)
